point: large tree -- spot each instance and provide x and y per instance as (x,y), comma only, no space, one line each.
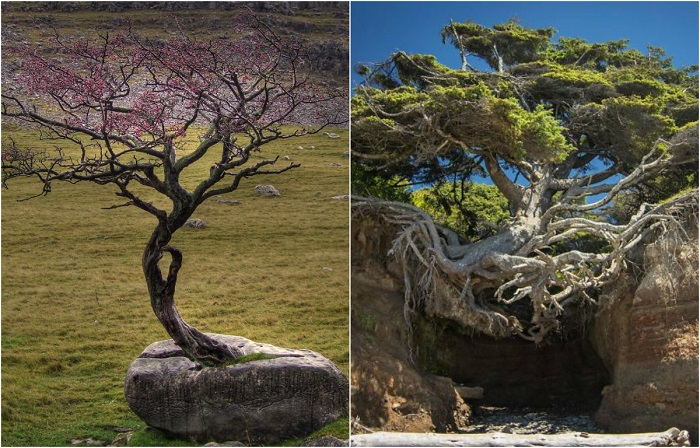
(562,129)
(115,110)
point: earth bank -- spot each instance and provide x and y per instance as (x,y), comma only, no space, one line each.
(630,368)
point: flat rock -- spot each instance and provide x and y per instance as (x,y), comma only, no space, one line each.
(262,401)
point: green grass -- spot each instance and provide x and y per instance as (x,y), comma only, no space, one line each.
(75,310)
(152,437)
(338,429)
(251,357)
(148,436)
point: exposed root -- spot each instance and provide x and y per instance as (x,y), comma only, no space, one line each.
(475,284)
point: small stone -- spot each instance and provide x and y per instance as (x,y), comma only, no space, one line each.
(122,439)
(336,164)
(228,201)
(195,223)
(267,190)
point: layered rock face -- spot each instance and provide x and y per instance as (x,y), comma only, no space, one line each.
(291,394)
(388,390)
(648,337)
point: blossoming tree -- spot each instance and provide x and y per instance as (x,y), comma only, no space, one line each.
(117,109)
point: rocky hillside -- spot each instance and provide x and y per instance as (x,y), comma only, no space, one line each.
(324,26)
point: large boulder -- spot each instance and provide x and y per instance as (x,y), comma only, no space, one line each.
(260,401)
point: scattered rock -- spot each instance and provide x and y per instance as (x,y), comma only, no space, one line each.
(122,439)
(342,197)
(89,442)
(346,154)
(327,269)
(336,164)
(357,428)
(195,223)
(229,201)
(287,158)
(490,419)
(267,190)
(300,147)
(260,402)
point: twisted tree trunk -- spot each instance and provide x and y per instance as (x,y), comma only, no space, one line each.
(198,346)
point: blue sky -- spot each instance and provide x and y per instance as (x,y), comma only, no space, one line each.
(380,28)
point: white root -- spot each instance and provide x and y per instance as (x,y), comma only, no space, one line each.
(502,272)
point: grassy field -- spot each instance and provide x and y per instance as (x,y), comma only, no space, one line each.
(75,310)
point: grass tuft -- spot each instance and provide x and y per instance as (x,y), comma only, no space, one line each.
(148,436)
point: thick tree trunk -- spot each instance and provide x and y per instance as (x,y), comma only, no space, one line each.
(198,346)
(672,437)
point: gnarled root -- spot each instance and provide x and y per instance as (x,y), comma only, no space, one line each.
(206,350)
(476,284)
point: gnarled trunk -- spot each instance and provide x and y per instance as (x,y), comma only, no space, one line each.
(198,346)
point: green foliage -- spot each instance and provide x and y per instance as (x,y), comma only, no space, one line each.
(502,45)
(472,210)
(547,103)
(627,126)
(531,135)
(594,56)
(369,183)
(367,322)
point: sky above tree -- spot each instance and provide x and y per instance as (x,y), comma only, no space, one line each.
(381,28)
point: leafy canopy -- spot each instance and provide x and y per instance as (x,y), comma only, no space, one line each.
(583,107)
